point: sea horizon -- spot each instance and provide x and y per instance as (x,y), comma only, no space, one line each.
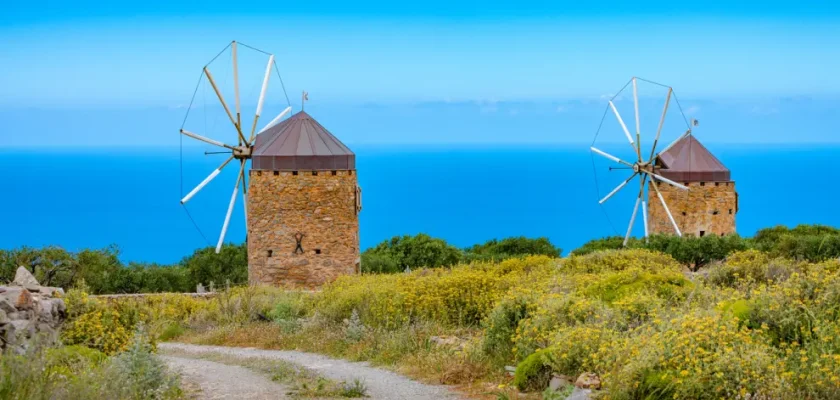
(92,197)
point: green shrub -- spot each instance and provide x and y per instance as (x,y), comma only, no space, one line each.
(172,331)
(414,252)
(607,243)
(532,374)
(379,263)
(80,373)
(514,246)
(500,325)
(142,374)
(205,266)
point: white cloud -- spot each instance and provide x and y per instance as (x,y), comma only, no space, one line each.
(692,110)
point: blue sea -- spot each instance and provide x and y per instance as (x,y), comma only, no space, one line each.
(93,197)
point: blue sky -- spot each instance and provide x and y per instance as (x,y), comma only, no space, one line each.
(104,58)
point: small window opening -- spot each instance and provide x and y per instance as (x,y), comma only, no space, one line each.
(269,253)
(702,233)
(276,173)
(686,184)
(294,172)
(721,234)
(702,183)
(715,212)
(314,173)
(259,173)
(717,183)
(730,211)
(350,172)
(333,172)
(683,213)
(317,251)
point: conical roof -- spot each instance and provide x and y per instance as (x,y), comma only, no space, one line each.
(300,143)
(687,160)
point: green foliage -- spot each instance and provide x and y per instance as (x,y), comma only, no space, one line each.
(532,373)
(694,252)
(171,331)
(77,372)
(205,266)
(607,243)
(143,375)
(103,272)
(379,263)
(514,246)
(412,252)
(500,325)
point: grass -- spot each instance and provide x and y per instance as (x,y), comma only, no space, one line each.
(302,383)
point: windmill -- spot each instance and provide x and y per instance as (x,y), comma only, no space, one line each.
(245,136)
(643,169)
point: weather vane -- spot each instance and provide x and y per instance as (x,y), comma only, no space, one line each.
(303,98)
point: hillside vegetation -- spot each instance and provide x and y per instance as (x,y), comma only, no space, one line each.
(761,324)
(102,271)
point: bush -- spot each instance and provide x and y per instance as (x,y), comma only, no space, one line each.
(142,374)
(607,243)
(77,372)
(463,295)
(694,252)
(205,266)
(532,374)
(379,263)
(514,246)
(618,260)
(413,252)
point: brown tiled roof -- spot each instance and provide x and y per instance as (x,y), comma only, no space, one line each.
(300,143)
(687,160)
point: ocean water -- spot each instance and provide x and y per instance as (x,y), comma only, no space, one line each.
(92,197)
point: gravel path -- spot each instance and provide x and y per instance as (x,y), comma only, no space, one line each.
(381,384)
(220,381)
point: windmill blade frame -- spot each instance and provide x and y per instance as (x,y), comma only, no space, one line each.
(243,151)
(642,168)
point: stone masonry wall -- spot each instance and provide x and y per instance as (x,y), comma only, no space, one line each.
(321,207)
(707,206)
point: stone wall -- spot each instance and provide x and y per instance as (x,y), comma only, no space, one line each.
(28,309)
(320,205)
(709,207)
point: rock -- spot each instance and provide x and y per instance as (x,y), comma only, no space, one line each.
(588,380)
(28,309)
(51,291)
(580,394)
(19,297)
(6,305)
(559,381)
(24,278)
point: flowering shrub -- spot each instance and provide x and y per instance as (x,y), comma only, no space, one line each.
(463,295)
(756,326)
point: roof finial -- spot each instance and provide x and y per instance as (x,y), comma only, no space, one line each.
(303,98)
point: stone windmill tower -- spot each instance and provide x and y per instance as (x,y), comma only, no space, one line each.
(303,206)
(688,189)
(710,204)
(301,195)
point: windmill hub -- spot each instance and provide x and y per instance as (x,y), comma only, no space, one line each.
(242,152)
